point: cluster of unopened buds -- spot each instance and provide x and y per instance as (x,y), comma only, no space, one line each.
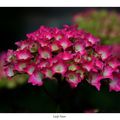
(72,53)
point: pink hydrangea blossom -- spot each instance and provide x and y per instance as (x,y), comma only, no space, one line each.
(73,78)
(23,54)
(74,54)
(95,79)
(115,82)
(36,79)
(9,71)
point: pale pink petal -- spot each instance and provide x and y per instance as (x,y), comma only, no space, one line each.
(114,63)
(65,43)
(43,64)
(115,83)
(9,71)
(93,40)
(23,44)
(89,66)
(94,79)
(36,79)
(54,46)
(10,56)
(59,67)
(45,53)
(23,54)
(99,64)
(80,47)
(107,72)
(65,56)
(20,66)
(104,51)
(73,79)
(30,69)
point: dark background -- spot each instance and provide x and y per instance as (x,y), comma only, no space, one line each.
(14,24)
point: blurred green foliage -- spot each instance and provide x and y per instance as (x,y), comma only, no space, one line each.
(102,23)
(13,82)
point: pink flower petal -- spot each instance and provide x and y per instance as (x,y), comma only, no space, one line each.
(36,79)
(73,79)
(45,53)
(92,39)
(65,43)
(43,64)
(23,44)
(65,56)
(94,79)
(54,46)
(89,66)
(99,64)
(104,52)
(9,71)
(43,43)
(59,67)
(79,47)
(10,57)
(114,63)
(115,83)
(20,66)
(30,69)
(107,72)
(23,54)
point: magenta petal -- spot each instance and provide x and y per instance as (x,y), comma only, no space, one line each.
(92,39)
(53,61)
(104,52)
(65,43)
(115,83)
(114,63)
(80,47)
(43,64)
(36,79)
(45,53)
(73,79)
(23,54)
(55,46)
(9,71)
(94,79)
(99,64)
(10,56)
(59,67)
(20,66)
(65,56)
(89,66)
(58,36)
(107,72)
(30,69)
(23,44)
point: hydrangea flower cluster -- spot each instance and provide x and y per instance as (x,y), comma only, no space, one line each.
(102,23)
(74,54)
